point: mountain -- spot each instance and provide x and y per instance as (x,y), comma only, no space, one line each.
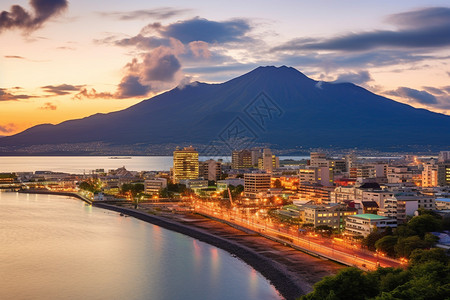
(272,105)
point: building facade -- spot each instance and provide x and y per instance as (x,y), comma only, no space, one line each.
(255,183)
(364,224)
(185,164)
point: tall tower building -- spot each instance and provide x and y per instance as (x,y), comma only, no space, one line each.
(444,174)
(185,164)
(430,175)
(241,159)
(210,169)
(267,161)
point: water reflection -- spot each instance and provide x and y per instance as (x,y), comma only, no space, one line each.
(55,248)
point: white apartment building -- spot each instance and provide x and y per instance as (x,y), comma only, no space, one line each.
(402,205)
(363,224)
(399,175)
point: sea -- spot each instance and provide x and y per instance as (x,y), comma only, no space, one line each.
(87,164)
(57,247)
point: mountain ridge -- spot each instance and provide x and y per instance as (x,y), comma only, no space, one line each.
(305,112)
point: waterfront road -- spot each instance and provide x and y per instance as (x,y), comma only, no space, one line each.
(334,249)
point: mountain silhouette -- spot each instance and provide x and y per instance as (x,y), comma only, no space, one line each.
(273,105)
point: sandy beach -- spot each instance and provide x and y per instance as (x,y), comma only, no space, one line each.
(292,272)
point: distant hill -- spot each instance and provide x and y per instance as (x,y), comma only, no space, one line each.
(274,105)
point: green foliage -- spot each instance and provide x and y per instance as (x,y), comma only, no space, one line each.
(176,188)
(91,185)
(370,240)
(420,256)
(387,244)
(8,175)
(425,223)
(412,235)
(133,188)
(405,246)
(235,191)
(428,277)
(349,283)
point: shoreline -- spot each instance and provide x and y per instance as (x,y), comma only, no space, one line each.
(288,284)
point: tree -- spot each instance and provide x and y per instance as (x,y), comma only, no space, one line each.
(405,246)
(324,229)
(387,245)
(370,240)
(428,277)
(425,223)
(349,283)
(134,190)
(420,256)
(277,184)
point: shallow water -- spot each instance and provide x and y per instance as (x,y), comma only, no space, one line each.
(55,247)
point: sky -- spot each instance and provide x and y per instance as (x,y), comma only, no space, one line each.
(62,60)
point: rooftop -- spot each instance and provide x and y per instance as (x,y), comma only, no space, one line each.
(370,217)
(443,199)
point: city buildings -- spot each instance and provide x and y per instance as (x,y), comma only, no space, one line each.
(363,224)
(402,205)
(153,186)
(185,164)
(210,170)
(443,173)
(430,175)
(442,203)
(331,215)
(255,183)
(268,162)
(241,159)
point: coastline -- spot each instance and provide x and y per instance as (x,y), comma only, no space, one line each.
(276,265)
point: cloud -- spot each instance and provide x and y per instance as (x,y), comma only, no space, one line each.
(200,49)
(156,13)
(143,42)
(8,128)
(14,56)
(434,91)
(160,65)
(48,106)
(92,94)
(130,86)
(422,97)
(199,29)
(62,89)
(422,28)
(19,18)
(425,17)
(360,77)
(6,95)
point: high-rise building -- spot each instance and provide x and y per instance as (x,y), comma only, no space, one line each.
(255,183)
(268,162)
(185,164)
(256,154)
(241,159)
(318,159)
(430,175)
(210,169)
(444,156)
(444,174)
(351,161)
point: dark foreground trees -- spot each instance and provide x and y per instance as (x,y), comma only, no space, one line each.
(427,277)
